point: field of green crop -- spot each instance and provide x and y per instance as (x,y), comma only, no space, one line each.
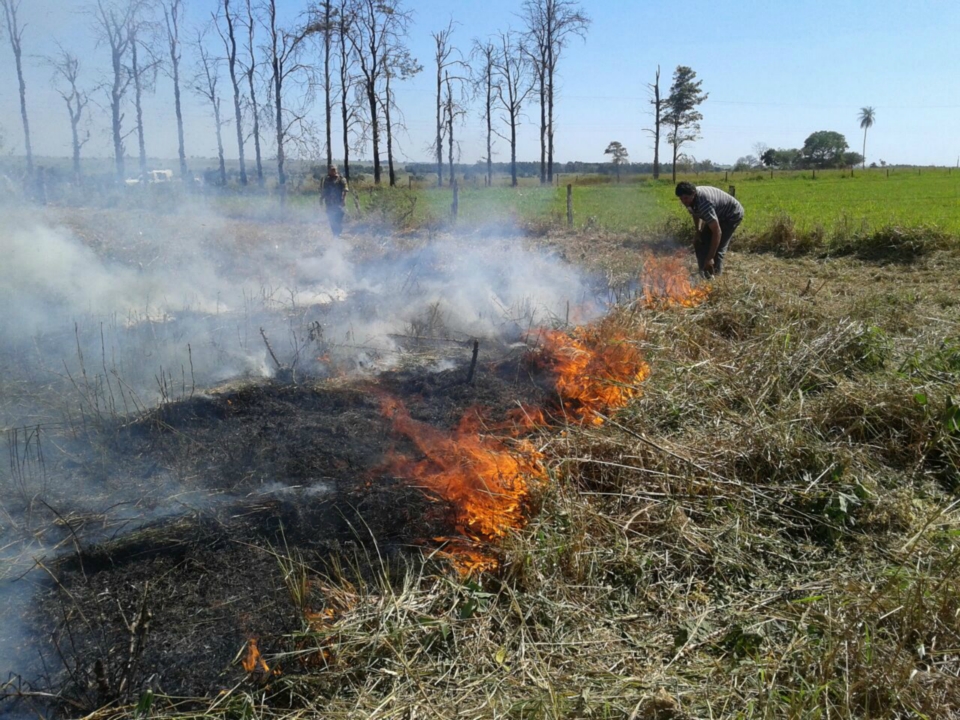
(872,199)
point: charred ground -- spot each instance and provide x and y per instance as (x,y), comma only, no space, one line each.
(282,468)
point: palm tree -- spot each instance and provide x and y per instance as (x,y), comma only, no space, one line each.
(867,116)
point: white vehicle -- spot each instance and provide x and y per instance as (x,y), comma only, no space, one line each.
(152,178)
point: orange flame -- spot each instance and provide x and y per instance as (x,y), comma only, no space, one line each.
(254,660)
(482,478)
(666,283)
(598,368)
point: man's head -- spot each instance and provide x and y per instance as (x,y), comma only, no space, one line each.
(686,192)
(333,172)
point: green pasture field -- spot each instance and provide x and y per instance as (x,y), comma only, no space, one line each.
(831,203)
(870,199)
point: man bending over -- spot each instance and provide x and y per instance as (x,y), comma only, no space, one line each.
(716,216)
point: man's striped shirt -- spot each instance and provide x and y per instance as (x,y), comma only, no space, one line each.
(712,203)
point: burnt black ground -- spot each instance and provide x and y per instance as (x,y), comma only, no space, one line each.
(292,470)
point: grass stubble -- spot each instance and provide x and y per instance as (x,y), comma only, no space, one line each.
(770,530)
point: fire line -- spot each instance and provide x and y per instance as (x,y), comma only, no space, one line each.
(488,480)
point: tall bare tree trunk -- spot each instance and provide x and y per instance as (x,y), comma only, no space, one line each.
(253,95)
(657,105)
(232,64)
(374,130)
(223,166)
(489,113)
(450,130)
(115,32)
(551,65)
(513,151)
(278,100)
(278,104)
(440,124)
(74,122)
(138,95)
(676,150)
(15,33)
(550,24)
(442,54)
(389,128)
(171,13)
(328,103)
(67,66)
(344,86)
(542,77)
(209,91)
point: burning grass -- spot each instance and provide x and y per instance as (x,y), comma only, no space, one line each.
(768,530)
(730,543)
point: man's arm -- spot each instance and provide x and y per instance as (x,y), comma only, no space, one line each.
(714,226)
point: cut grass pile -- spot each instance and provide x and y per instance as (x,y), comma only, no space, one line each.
(770,531)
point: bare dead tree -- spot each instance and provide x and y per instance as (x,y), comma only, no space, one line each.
(513,68)
(15,35)
(658,103)
(450,114)
(485,55)
(327,88)
(284,51)
(250,72)
(112,22)
(388,124)
(230,47)
(444,55)
(536,52)
(398,64)
(172,14)
(552,24)
(347,64)
(144,74)
(377,27)
(66,68)
(454,111)
(205,85)
(452,70)
(323,26)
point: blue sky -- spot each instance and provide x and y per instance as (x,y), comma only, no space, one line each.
(775,72)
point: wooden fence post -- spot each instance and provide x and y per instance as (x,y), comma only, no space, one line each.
(733,190)
(569,205)
(456,199)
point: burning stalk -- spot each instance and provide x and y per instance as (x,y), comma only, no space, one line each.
(473,361)
(254,661)
(270,350)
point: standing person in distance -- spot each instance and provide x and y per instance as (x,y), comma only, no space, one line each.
(333,193)
(716,216)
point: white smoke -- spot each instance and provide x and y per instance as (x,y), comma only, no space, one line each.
(157,306)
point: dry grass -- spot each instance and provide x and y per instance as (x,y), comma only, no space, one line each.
(770,531)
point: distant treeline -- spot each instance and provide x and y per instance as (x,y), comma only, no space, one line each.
(532,169)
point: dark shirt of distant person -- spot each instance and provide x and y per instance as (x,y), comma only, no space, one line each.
(333,193)
(716,216)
